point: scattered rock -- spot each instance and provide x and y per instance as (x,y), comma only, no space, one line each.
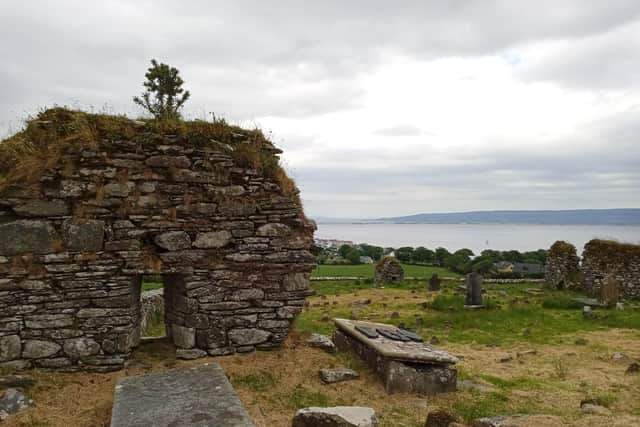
(619,356)
(581,341)
(21,381)
(12,402)
(323,342)
(526,353)
(594,409)
(440,418)
(634,368)
(330,376)
(325,317)
(190,354)
(338,416)
(361,303)
(489,421)
(506,358)
(467,385)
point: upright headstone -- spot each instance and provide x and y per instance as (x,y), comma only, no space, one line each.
(474,290)
(434,283)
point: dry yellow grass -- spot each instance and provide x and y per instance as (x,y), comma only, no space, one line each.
(273,384)
(81,399)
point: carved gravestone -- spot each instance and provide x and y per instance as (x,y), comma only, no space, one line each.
(610,292)
(474,290)
(434,283)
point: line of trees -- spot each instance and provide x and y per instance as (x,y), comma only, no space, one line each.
(461,261)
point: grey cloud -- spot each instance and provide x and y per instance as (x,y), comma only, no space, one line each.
(97,53)
(597,168)
(609,60)
(401,130)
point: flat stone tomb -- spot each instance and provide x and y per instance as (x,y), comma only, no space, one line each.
(405,366)
(199,396)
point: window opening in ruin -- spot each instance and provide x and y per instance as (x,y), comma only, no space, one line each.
(152,307)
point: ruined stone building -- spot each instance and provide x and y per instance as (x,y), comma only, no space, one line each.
(90,204)
(605,264)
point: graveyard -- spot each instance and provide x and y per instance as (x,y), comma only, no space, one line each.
(529,351)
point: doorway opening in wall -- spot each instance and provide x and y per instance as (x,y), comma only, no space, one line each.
(152,307)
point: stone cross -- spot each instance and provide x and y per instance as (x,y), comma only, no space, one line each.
(434,283)
(474,289)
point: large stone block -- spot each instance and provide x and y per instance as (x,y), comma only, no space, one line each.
(81,347)
(248,336)
(212,239)
(183,337)
(10,347)
(273,230)
(85,236)
(27,237)
(39,349)
(173,240)
(40,208)
(338,416)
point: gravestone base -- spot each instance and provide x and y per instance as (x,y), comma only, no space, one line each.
(401,376)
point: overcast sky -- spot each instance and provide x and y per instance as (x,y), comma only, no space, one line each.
(383,108)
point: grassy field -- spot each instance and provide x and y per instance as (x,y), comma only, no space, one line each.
(556,358)
(366,271)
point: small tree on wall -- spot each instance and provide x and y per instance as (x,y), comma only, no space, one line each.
(164,95)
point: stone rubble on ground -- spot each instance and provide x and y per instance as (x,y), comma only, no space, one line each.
(338,416)
(330,376)
(12,402)
(440,418)
(323,342)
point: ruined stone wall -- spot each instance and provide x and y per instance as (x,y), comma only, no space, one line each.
(562,268)
(606,261)
(231,244)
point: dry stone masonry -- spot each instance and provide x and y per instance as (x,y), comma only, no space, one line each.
(101,201)
(607,263)
(388,270)
(609,269)
(562,270)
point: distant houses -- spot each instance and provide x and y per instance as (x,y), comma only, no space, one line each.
(519,267)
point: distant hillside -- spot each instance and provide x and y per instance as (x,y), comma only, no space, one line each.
(568,217)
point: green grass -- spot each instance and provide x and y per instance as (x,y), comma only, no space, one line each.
(302,397)
(515,315)
(366,270)
(488,405)
(561,302)
(260,381)
(150,286)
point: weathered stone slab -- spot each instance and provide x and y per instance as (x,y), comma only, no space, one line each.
(35,208)
(86,236)
(404,366)
(200,396)
(27,236)
(398,350)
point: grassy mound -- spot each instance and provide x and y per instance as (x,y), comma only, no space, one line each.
(57,132)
